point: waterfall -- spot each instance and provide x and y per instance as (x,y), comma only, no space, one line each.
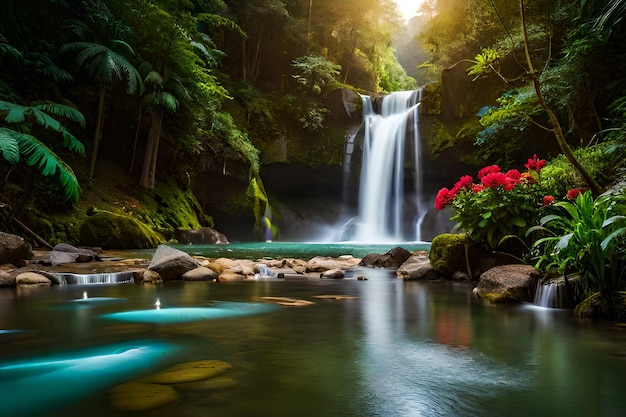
(545,295)
(124,277)
(385,213)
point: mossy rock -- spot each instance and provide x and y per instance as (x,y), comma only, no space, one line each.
(109,230)
(189,372)
(596,307)
(218,383)
(140,396)
(447,253)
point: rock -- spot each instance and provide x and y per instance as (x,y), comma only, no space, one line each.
(460,276)
(66,254)
(390,260)
(417,267)
(171,263)
(140,396)
(6,279)
(324,263)
(508,284)
(450,253)
(189,371)
(13,249)
(109,230)
(202,236)
(333,274)
(32,278)
(200,273)
(289,302)
(229,275)
(213,384)
(146,276)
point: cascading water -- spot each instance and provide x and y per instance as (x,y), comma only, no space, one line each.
(386,211)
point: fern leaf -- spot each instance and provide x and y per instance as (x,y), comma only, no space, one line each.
(8,145)
(17,114)
(71,143)
(48,163)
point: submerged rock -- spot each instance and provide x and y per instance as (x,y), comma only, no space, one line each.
(189,372)
(141,396)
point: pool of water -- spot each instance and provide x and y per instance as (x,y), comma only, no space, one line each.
(388,348)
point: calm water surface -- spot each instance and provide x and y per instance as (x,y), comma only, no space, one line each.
(396,349)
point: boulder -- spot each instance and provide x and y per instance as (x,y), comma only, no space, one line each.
(508,284)
(146,276)
(110,230)
(324,263)
(229,275)
(171,263)
(417,267)
(13,249)
(32,278)
(66,254)
(390,260)
(6,279)
(200,273)
(333,274)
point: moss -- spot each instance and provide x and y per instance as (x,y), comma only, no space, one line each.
(447,253)
(109,230)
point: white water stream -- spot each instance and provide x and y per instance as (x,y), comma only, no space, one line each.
(387,152)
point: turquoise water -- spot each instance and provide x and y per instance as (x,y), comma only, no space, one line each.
(392,348)
(300,250)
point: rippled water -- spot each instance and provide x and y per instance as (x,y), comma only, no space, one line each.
(395,349)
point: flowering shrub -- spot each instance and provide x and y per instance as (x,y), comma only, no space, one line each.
(499,204)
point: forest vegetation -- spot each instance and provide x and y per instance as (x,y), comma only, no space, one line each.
(126,105)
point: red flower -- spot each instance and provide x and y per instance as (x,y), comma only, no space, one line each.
(476,188)
(494,179)
(514,175)
(465,182)
(444,196)
(547,200)
(535,163)
(573,193)
(528,177)
(488,170)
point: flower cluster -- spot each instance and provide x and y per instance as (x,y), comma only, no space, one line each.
(498,203)
(490,177)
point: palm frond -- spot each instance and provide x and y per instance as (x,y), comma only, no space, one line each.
(8,145)
(72,144)
(16,114)
(217,21)
(48,163)
(45,120)
(154,78)
(9,50)
(168,102)
(63,111)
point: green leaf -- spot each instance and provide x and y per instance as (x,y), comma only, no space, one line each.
(48,163)
(564,241)
(9,146)
(518,221)
(607,240)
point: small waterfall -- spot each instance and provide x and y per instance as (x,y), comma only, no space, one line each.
(546,295)
(125,277)
(382,212)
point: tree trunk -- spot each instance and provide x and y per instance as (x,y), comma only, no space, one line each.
(98,131)
(144,180)
(554,121)
(155,149)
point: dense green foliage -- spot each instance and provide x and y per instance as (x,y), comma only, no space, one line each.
(166,86)
(586,236)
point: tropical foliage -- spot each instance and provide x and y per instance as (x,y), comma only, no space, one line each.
(500,205)
(584,236)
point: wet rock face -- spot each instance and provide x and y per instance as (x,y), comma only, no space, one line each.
(64,254)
